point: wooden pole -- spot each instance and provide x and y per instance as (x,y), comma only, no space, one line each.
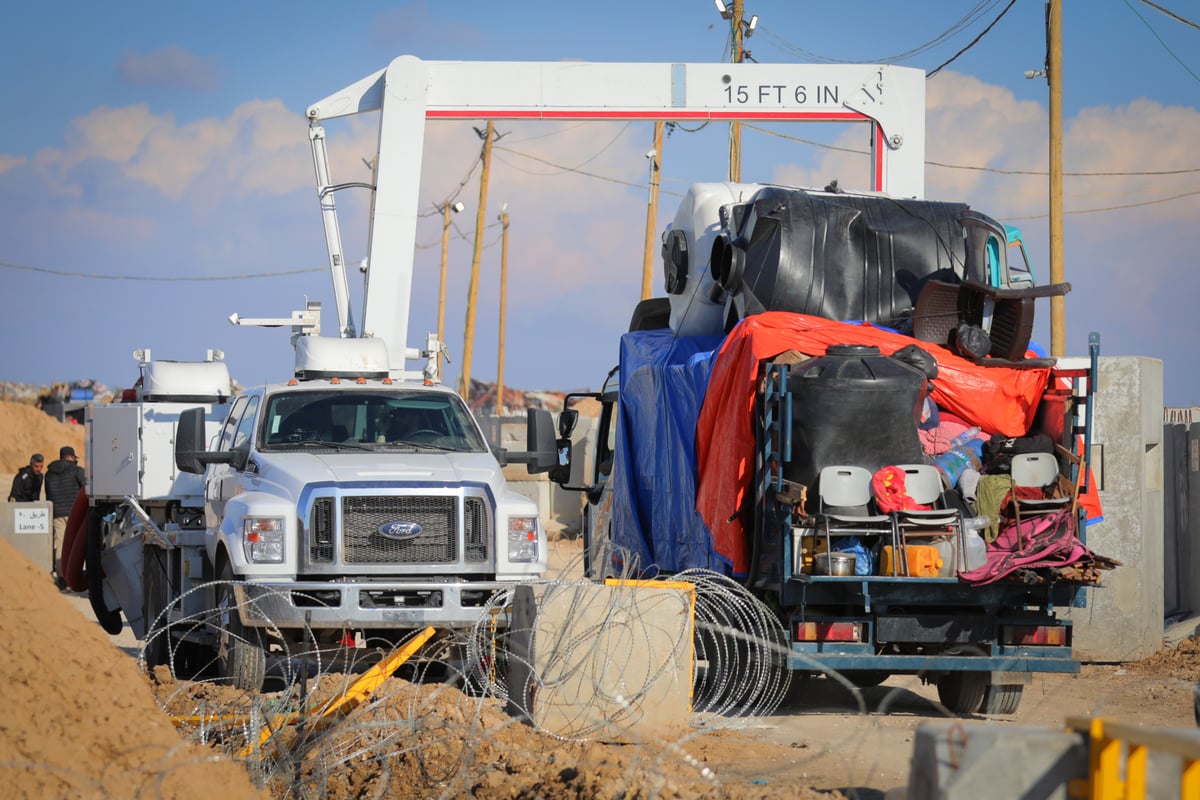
(473,286)
(503,298)
(735,127)
(652,212)
(1058,337)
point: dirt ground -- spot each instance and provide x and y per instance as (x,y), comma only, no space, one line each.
(79,720)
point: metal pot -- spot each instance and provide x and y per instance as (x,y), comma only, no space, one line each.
(837,564)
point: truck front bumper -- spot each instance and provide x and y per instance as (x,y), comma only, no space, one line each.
(369,605)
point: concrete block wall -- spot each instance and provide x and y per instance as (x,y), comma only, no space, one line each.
(1123,620)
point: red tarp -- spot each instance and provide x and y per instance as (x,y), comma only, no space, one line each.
(997,399)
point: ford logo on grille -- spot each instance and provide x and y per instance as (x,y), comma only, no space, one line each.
(399,530)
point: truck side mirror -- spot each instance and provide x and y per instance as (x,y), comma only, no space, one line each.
(567,421)
(189,441)
(190,455)
(540,442)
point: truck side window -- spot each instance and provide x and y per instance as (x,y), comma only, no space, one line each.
(225,442)
(245,428)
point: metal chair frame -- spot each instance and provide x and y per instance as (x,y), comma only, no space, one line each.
(849,488)
(923,483)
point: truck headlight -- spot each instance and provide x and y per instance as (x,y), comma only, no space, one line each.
(522,539)
(263,539)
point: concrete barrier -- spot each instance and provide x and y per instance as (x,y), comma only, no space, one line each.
(28,527)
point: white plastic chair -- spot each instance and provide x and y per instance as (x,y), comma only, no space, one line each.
(1037,470)
(923,483)
(844,505)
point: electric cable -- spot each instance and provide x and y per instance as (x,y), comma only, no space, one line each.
(1161,42)
(1172,14)
(972,43)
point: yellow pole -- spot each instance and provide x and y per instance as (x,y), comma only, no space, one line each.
(652,212)
(473,286)
(1054,76)
(735,127)
(503,297)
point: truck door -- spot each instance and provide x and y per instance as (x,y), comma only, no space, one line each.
(224,481)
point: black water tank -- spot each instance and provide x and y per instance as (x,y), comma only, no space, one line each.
(853,406)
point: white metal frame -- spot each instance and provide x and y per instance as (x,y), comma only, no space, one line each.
(409,92)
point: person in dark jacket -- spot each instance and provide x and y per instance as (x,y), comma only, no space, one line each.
(27,483)
(64,479)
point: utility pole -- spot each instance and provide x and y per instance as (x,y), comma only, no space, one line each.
(655,157)
(734,12)
(1054,76)
(447,207)
(473,286)
(503,297)
(735,127)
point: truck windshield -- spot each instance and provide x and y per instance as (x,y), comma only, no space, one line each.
(368,419)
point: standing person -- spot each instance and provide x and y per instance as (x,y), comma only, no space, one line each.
(64,479)
(27,483)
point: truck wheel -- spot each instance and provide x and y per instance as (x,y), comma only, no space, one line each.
(962,692)
(156,644)
(241,655)
(1002,698)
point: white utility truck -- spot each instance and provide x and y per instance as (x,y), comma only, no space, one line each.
(351,504)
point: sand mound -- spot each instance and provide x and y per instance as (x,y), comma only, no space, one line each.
(25,430)
(77,719)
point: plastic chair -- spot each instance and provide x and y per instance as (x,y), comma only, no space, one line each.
(844,505)
(923,483)
(1037,470)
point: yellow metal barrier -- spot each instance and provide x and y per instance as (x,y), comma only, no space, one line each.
(1107,742)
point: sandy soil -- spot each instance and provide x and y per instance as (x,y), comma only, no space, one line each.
(79,720)
(24,430)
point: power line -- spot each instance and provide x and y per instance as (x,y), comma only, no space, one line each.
(993,170)
(1171,14)
(979,10)
(159,278)
(1160,41)
(1113,208)
(973,42)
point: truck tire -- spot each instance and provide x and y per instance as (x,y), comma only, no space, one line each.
(156,645)
(1002,698)
(241,654)
(962,692)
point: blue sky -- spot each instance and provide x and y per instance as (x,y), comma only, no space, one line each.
(167,140)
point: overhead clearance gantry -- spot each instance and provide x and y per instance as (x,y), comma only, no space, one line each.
(409,92)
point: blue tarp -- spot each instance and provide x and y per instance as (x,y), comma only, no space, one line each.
(663,379)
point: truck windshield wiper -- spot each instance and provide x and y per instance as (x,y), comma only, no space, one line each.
(325,443)
(440,447)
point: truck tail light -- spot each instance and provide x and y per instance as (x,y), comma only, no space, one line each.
(1050,635)
(829,632)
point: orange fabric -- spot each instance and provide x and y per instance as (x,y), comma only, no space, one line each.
(997,399)
(891,492)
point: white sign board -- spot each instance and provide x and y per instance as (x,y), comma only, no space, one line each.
(31,520)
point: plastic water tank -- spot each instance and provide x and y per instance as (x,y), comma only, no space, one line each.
(853,406)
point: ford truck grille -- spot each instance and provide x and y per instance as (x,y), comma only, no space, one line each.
(438,541)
